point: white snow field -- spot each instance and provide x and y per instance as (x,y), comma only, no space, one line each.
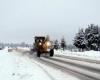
(92,55)
(17,67)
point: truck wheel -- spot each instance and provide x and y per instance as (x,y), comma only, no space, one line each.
(51,52)
(38,54)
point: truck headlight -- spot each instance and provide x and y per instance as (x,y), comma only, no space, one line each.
(48,43)
(40,43)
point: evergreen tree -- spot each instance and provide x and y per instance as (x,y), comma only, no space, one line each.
(92,36)
(99,38)
(63,44)
(56,45)
(79,40)
(90,39)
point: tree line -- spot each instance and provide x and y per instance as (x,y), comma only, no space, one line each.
(58,45)
(88,39)
(14,45)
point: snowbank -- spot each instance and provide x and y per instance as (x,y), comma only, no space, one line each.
(95,55)
(23,48)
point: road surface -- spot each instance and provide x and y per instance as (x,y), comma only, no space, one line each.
(81,68)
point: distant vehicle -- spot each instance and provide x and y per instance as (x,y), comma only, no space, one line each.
(43,45)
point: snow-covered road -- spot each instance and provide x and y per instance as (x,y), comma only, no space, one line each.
(16,66)
(81,68)
(85,69)
(25,66)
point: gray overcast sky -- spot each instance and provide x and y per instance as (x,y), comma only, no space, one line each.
(21,20)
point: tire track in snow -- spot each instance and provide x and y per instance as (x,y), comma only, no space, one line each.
(31,56)
(79,59)
(60,67)
(55,67)
(86,65)
(63,69)
(46,72)
(89,74)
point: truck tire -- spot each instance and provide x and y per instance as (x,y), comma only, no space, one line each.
(51,53)
(38,54)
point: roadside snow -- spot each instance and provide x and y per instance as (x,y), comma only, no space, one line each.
(94,55)
(19,68)
(23,48)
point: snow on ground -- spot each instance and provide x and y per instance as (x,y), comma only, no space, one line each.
(94,55)
(19,68)
(23,48)
(15,67)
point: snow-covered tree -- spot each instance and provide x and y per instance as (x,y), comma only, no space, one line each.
(56,44)
(90,39)
(99,38)
(92,36)
(63,44)
(79,40)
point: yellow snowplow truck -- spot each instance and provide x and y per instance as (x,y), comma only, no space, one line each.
(43,46)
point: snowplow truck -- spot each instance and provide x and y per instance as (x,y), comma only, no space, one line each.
(43,46)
